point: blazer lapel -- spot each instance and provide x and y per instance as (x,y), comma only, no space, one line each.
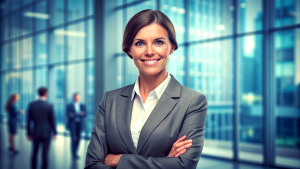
(163,107)
(124,111)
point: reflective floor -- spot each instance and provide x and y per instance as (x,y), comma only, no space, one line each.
(60,158)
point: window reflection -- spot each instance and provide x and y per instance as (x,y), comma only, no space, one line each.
(286,12)
(56,12)
(75,9)
(56,46)
(250,15)
(76,41)
(41,49)
(27,52)
(250,99)
(287,64)
(41,16)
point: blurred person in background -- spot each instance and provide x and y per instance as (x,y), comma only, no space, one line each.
(75,113)
(40,126)
(12,120)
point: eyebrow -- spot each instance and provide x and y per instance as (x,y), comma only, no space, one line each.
(154,39)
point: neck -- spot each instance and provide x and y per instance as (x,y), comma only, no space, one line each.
(43,98)
(147,83)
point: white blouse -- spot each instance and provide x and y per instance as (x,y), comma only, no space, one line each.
(141,111)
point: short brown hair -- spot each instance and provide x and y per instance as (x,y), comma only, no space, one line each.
(144,18)
(42,91)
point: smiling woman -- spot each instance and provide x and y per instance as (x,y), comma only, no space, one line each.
(156,122)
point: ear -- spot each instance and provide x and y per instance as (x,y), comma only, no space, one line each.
(172,50)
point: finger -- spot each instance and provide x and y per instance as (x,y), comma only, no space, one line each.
(181,139)
(176,145)
(182,147)
(180,153)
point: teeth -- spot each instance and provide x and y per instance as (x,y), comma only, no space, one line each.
(150,61)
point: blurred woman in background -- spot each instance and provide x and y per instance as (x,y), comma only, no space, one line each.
(12,120)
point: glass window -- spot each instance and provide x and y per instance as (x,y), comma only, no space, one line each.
(4,29)
(175,10)
(14,4)
(4,7)
(57,12)
(90,7)
(132,10)
(75,9)
(286,12)
(5,56)
(40,16)
(14,25)
(76,81)
(211,73)
(250,15)
(131,71)
(27,94)
(176,64)
(27,52)
(91,39)
(76,44)
(15,60)
(41,49)
(25,2)
(56,95)
(287,111)
(250,98)
(57,50)
(90,98)
(26,18)
(209,19)
(41,77)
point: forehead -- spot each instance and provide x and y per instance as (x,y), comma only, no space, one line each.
(152,31)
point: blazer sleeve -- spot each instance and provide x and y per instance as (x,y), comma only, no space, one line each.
(29,121)
(97,149)
(193,127)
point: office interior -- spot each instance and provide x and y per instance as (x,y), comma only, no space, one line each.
(244,55)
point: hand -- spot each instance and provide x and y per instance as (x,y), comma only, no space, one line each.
(29,138)
(54,137)
(21,111)
(112,160)
(180,146)
(82,113)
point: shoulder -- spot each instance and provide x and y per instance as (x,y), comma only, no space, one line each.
(194,99)
(127,90)
(192,94)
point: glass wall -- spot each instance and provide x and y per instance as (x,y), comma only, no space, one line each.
(223,53)
(44,43)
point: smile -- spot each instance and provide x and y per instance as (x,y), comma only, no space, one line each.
(150,62)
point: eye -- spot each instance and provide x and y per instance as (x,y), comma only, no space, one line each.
(159,42)
(139,43)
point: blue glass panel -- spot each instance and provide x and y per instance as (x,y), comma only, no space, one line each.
(57,47)
(91,39)
(210,18)
(90,7)
(90,98)
(41,49)
(27,94)
(75,9)
(41,77)
(56,94)
(286,12)
(26,18)
(176,64)
(5,56)
(56,12)
(27,52)
(250,15)
(176,11)
(15,60)
(211,73)
(287,110)
(40,16)
(4,7)
(251,129)
(76,41)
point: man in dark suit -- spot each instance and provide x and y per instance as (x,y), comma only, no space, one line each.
(40,126)
(75,113)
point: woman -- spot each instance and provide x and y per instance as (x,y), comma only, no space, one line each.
(12,120)
(156,122)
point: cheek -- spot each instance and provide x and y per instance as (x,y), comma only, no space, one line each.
(163,52)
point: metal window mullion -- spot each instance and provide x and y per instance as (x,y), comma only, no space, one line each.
(236,114)
(268,86)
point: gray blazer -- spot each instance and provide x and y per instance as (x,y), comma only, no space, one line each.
(180,111)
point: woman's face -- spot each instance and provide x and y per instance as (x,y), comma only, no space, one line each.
(150,49)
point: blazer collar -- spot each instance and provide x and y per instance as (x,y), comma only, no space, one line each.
(163,107)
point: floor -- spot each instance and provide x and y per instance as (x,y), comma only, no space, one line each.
(59,156)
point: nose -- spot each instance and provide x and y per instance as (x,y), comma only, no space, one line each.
(150,50)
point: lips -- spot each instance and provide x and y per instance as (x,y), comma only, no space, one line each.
(150,62)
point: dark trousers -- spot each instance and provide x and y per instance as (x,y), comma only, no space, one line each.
(45,142)
(75,129)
